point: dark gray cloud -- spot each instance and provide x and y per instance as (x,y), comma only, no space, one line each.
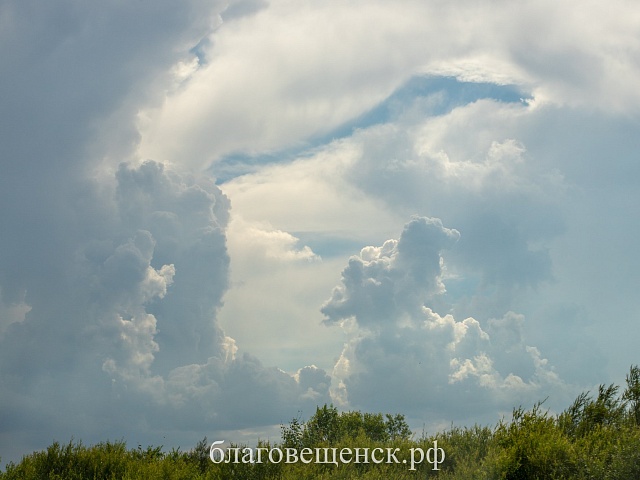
(123,331)
(111,276)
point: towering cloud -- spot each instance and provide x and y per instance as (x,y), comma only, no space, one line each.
(403,353)
(112,273)
(384,284)
(128,323)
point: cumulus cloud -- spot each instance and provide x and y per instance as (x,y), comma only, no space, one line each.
(133,319)
(401,353)
(384,283)
(453,165)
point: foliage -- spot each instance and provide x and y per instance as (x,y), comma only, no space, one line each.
(328,426)
(632,394)
(596,437)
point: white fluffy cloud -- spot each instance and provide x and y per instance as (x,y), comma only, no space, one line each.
(384,283)
(404,354)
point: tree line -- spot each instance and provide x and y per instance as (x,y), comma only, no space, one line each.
(596,437)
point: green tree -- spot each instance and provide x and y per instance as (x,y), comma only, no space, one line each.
(397,427)
(587,413)
(632,394)
(322,427)
(327,425)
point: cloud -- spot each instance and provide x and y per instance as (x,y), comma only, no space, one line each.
(509,177)
(115,268)
(259,242)
(383,283)
(402,355)
(456,166)
(520,182)
(308,196)
(132,318)
(465,164)
(259,91)
(276,283)
(12,313)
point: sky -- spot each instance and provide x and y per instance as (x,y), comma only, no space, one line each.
(217,215)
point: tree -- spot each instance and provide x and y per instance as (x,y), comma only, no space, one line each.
(586,413)
(322,427)
(397,427)
(632,394)
(328,425)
